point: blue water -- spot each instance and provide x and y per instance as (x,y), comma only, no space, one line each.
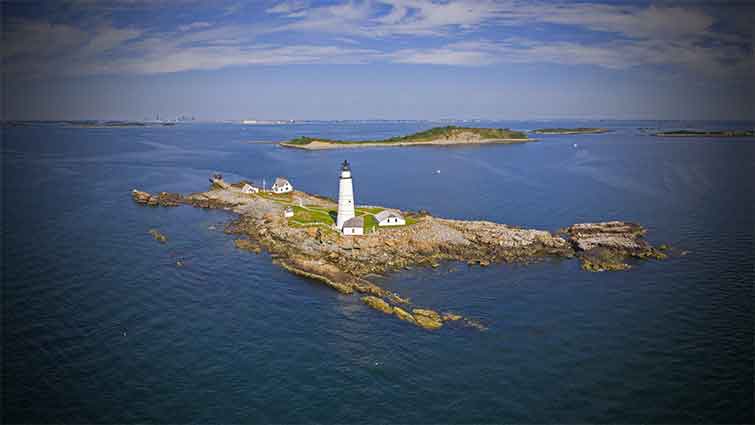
(99,325)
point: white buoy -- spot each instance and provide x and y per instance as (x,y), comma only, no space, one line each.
(575,145)
(437,171)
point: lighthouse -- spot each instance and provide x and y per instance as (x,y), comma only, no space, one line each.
(345,196)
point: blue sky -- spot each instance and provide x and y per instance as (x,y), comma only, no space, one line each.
(387,59)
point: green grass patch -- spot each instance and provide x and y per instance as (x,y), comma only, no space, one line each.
(368,210)
(370,223)
(311,216)
(277,197)
(436,133)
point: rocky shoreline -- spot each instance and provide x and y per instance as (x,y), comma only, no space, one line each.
(344,263)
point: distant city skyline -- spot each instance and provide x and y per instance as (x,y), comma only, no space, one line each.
(381,59)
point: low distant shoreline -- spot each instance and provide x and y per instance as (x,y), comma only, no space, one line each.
(92,124)
(438,136)
(714,133)
(570,131)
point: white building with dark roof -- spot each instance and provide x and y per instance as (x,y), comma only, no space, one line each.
(281,185)
(390,218)
(353,226)
(247,188)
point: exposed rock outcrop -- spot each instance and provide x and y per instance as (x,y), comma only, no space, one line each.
(607,246)
(163,199)
(378,304)
(428,319)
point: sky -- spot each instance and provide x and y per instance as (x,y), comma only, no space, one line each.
(377,59)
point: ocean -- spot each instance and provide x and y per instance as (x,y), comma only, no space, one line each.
(100,325)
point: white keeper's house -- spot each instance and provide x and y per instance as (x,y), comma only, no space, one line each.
(281,185)
(353,226)
(389,218)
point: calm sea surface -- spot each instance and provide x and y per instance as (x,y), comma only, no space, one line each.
(99,325)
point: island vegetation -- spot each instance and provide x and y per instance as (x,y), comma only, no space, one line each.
(450,135)
(706,133)
(569,131)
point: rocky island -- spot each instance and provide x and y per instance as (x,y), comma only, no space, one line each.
(438,136)
(570,131)
(299,230)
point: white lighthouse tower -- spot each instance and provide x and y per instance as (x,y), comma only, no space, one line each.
(345,196)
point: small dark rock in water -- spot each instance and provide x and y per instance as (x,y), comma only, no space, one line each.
(158,236)
(475,324)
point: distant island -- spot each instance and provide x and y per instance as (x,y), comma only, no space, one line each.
(706,133)
(450,135)
(566,131)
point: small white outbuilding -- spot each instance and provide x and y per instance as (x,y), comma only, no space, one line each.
(288,212)
(247,188)
(389,218)
(281,185)
(353,226)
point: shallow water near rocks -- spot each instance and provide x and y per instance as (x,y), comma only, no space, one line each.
(101,325)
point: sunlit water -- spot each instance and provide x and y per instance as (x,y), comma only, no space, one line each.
(100,325)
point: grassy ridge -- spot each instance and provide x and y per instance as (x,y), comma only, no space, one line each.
(436,133)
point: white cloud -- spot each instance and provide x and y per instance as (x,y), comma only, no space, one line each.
(287,7)
(194,26)
(620,54)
